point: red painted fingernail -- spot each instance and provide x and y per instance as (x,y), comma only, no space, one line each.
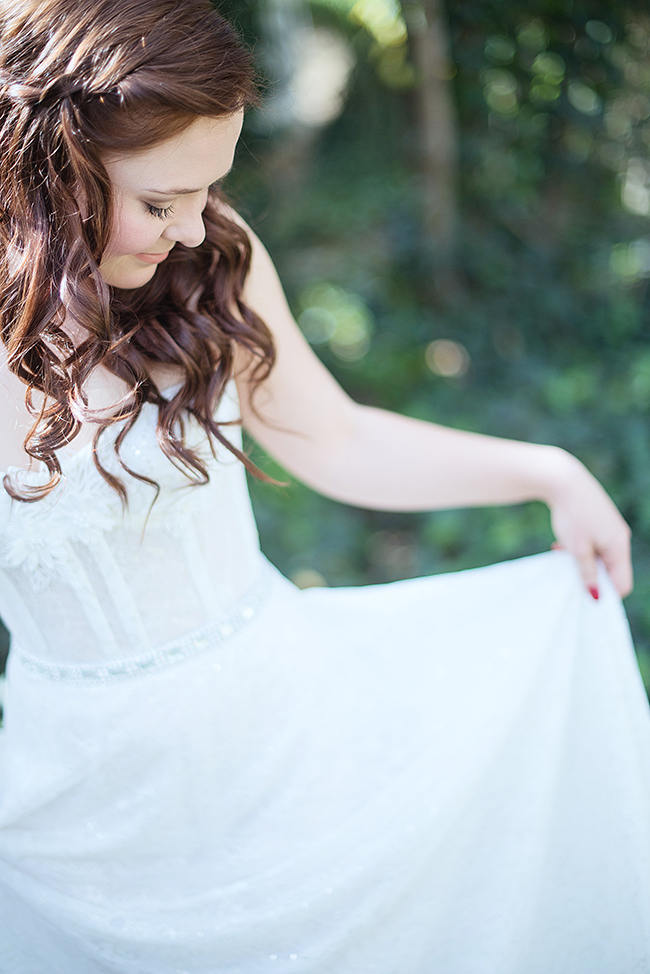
(593,591)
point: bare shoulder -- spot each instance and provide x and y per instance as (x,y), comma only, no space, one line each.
(262,267)
(262,290)
(299,394)
(232,214)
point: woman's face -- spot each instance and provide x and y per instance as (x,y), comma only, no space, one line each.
(152,212)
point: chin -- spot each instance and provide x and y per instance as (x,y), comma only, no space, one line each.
(134,276)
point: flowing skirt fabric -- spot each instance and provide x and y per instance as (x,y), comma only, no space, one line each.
(442,774)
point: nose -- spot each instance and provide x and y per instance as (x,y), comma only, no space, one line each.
(188,228)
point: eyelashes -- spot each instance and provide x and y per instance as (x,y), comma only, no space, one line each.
(163,212)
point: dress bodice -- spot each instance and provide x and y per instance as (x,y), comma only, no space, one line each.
(83,582)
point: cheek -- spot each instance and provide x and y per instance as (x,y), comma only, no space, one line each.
(134,232)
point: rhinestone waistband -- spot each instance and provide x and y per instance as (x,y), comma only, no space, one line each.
(240,615)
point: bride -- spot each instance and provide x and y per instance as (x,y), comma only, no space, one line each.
(203,768)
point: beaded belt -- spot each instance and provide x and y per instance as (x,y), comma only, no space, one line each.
(242,612)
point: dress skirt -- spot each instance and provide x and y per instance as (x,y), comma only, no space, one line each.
(441,775)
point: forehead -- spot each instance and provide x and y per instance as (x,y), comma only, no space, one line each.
(195,157)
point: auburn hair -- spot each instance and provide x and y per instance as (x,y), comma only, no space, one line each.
(78,80)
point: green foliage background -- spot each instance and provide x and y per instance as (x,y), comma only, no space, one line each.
(550,302)
(544,304)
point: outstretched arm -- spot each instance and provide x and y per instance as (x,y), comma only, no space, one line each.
(379,459)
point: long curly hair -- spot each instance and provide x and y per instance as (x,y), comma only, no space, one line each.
(78,80)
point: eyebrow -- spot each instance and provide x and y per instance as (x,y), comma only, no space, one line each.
(185,192)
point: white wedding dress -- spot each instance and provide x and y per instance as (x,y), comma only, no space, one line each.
(205,770)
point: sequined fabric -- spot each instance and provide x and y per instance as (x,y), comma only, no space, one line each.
(205,770)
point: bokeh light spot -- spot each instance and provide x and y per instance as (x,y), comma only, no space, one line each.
(500,91)
(446,357)
(332,314)
(500,49)
(533,35)
(583,98)
(631,261)
(549,67)
(598,31)
(382,18)
(635,189)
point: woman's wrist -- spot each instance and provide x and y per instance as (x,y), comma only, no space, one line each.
(558,467)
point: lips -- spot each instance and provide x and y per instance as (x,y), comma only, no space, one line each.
(153,258)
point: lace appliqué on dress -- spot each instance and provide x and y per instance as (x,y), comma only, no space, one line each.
(37,537)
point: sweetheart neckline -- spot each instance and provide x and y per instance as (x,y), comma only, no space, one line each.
(73,458)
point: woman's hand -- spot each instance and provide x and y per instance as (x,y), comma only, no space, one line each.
(587,523)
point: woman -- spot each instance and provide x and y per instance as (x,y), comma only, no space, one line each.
(204,769)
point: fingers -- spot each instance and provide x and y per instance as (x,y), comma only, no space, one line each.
(588,567)
(618,564)
(619,568)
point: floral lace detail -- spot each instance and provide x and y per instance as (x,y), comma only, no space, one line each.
(37,537)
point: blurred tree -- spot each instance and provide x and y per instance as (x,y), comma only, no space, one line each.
(427,31)
(284,27)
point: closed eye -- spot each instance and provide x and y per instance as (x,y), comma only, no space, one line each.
(162,212)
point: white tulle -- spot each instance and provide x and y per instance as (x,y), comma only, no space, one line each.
(204,769)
